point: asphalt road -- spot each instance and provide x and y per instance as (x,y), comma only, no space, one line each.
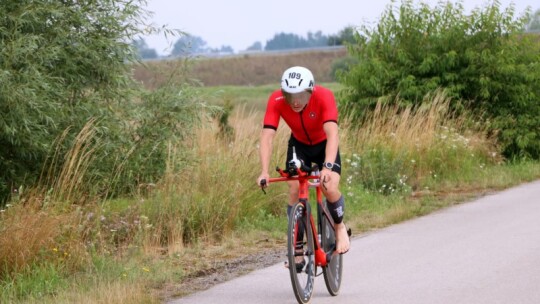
(485,251)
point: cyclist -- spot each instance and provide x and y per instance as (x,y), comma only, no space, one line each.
(311,113)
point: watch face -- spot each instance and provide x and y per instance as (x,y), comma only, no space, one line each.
(328,165)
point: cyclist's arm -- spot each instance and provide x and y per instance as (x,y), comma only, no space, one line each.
(332,141)
(330,117)
(265,149)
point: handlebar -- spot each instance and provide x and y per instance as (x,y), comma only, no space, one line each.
(292,172)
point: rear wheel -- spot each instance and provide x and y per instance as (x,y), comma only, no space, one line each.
(300,252)
(333,270)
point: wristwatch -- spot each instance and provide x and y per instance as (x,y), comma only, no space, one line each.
(329,166)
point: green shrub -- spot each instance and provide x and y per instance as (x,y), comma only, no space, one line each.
(482,60)
(342,65)
(57,78)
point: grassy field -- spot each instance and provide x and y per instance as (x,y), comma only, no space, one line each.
(242,70)
(397,165)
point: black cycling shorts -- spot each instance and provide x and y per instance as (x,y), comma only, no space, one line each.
(311,154)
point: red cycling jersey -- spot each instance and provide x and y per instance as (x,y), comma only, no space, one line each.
(306,125)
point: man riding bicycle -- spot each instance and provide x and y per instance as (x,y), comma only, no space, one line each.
(311,113)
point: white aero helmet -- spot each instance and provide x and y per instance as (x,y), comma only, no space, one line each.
(297,79)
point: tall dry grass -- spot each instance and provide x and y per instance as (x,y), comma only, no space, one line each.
(26,235)
(404,146)
(206,200)
(41,227)
(65,178)
(417,129)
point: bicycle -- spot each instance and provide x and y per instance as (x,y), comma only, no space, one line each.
(315,243)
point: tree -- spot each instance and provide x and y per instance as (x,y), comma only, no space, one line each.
(256,46)
(283,41)
(534,23)
(316,39)
(189,45)
(65,64)
(144,51)
(225,49)
(482,59)
(345,36)
(51,74)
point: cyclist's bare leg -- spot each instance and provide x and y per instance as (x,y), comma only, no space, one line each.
(294,187)
(333,195)
(330,188)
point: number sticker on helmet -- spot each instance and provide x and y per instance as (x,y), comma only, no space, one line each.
(295,75)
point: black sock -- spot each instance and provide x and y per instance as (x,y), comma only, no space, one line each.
(337,209)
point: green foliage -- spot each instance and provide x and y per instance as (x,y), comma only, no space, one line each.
(380,170)
(144,51)
(56,78)
(226,132)
(256,46)
(164,116)
(343,65)
(344,37)
(188,44)
(534,23)
(482,59)
(33,283)
(283,41)
(51,74)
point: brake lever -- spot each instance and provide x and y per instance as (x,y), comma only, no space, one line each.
(263,185)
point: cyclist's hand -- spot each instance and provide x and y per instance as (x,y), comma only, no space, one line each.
(263,176)
(326,175)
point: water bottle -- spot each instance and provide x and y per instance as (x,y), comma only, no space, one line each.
(317,173)
(295,161)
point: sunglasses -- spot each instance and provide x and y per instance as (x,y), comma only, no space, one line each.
(297,98)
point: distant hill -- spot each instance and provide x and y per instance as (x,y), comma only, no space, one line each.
(245,69)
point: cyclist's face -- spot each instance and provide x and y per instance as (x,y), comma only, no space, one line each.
(297,101)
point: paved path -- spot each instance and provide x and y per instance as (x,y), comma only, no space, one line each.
(485,251)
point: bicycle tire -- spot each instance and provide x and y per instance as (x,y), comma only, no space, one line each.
(302,279)
(332,272)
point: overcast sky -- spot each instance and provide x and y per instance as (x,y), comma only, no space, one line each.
(240,23)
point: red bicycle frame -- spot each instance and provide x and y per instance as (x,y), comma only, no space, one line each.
(304,178)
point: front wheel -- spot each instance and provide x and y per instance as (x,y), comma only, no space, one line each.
(301,254)
(333,270)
